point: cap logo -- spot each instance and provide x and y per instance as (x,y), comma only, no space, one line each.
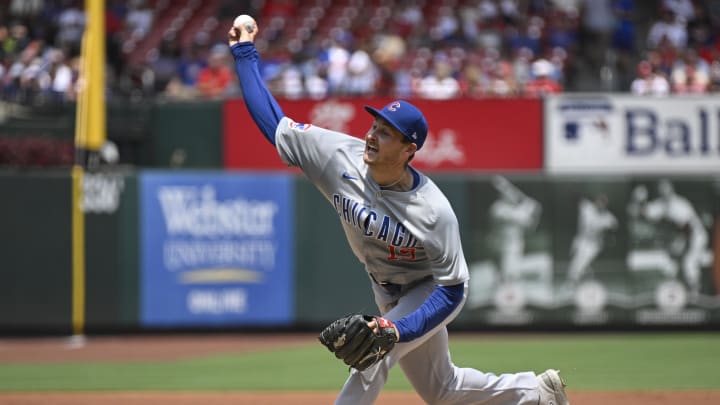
(394,106)
(414,135)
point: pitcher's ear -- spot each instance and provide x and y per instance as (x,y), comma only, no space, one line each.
(412,147)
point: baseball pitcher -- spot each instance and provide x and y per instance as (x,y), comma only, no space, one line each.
(403,229)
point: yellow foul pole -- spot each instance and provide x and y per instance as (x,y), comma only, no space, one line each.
(90,128)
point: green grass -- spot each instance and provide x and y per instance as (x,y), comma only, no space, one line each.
(588,362)
(606,362)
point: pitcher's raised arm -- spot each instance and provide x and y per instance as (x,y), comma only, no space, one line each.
(261,104)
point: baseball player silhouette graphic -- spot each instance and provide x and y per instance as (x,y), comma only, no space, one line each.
(403,229)
(594,219)
(679,211)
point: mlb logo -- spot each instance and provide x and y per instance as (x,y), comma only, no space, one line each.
(572,129)
(298,126)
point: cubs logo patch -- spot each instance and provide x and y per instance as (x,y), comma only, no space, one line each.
(298,126)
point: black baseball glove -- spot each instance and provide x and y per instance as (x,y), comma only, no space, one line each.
(352,340)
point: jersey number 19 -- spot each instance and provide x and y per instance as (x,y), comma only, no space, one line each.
(401,254)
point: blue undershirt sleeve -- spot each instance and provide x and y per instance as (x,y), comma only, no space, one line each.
(438,306)
(261,105)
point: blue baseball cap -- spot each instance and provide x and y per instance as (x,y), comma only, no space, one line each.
(406,118)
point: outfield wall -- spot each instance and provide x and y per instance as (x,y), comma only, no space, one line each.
(582,210)
(558,251)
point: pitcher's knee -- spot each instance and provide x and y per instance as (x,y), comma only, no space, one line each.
(446,394)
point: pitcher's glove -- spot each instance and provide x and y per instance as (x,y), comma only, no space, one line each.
(355,343)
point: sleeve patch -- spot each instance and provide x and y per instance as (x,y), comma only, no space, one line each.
(298,126)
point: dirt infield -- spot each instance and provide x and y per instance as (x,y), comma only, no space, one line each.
(130,349)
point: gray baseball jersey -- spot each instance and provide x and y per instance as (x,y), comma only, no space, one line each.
(400,237)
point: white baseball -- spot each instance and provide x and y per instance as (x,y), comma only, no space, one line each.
(246,21)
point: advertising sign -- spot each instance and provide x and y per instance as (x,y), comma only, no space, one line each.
(216,249)
(463,134)
(632,134)
(592,251)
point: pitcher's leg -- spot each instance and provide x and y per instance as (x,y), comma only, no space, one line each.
(426,362)
(438,381)
(363,388)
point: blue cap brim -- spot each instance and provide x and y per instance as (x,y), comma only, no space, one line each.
(379,113)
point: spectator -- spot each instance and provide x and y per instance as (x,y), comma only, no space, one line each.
(165,64)
(440,84)
(138,82)
(395,62)
(19,37)
(700,30)
(521,66)
(18,82)
(543,83)
(669,29)
(690,81)
(684,10)
(659,63)
(192,62)
(291,82)
(570,8)
(473,82)
(30,80)
(26,8)
(71,25)
(649,81)
(488,10)
(668,55)
(362,74)
(481,13)
(61,76)
(510,11)
(690,74)
(315,84)
(470,19)
(562,32)
(527,35)
(408,16)
(502,82)
(714,79)
(623,38)
(446,25)
(139,19)
(336,59)
(7,44)
(390,56)
(690,57)
(215,80)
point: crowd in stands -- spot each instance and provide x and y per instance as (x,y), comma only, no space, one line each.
(401,48)
(682,51)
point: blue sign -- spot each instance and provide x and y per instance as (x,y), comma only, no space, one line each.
(217,249)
